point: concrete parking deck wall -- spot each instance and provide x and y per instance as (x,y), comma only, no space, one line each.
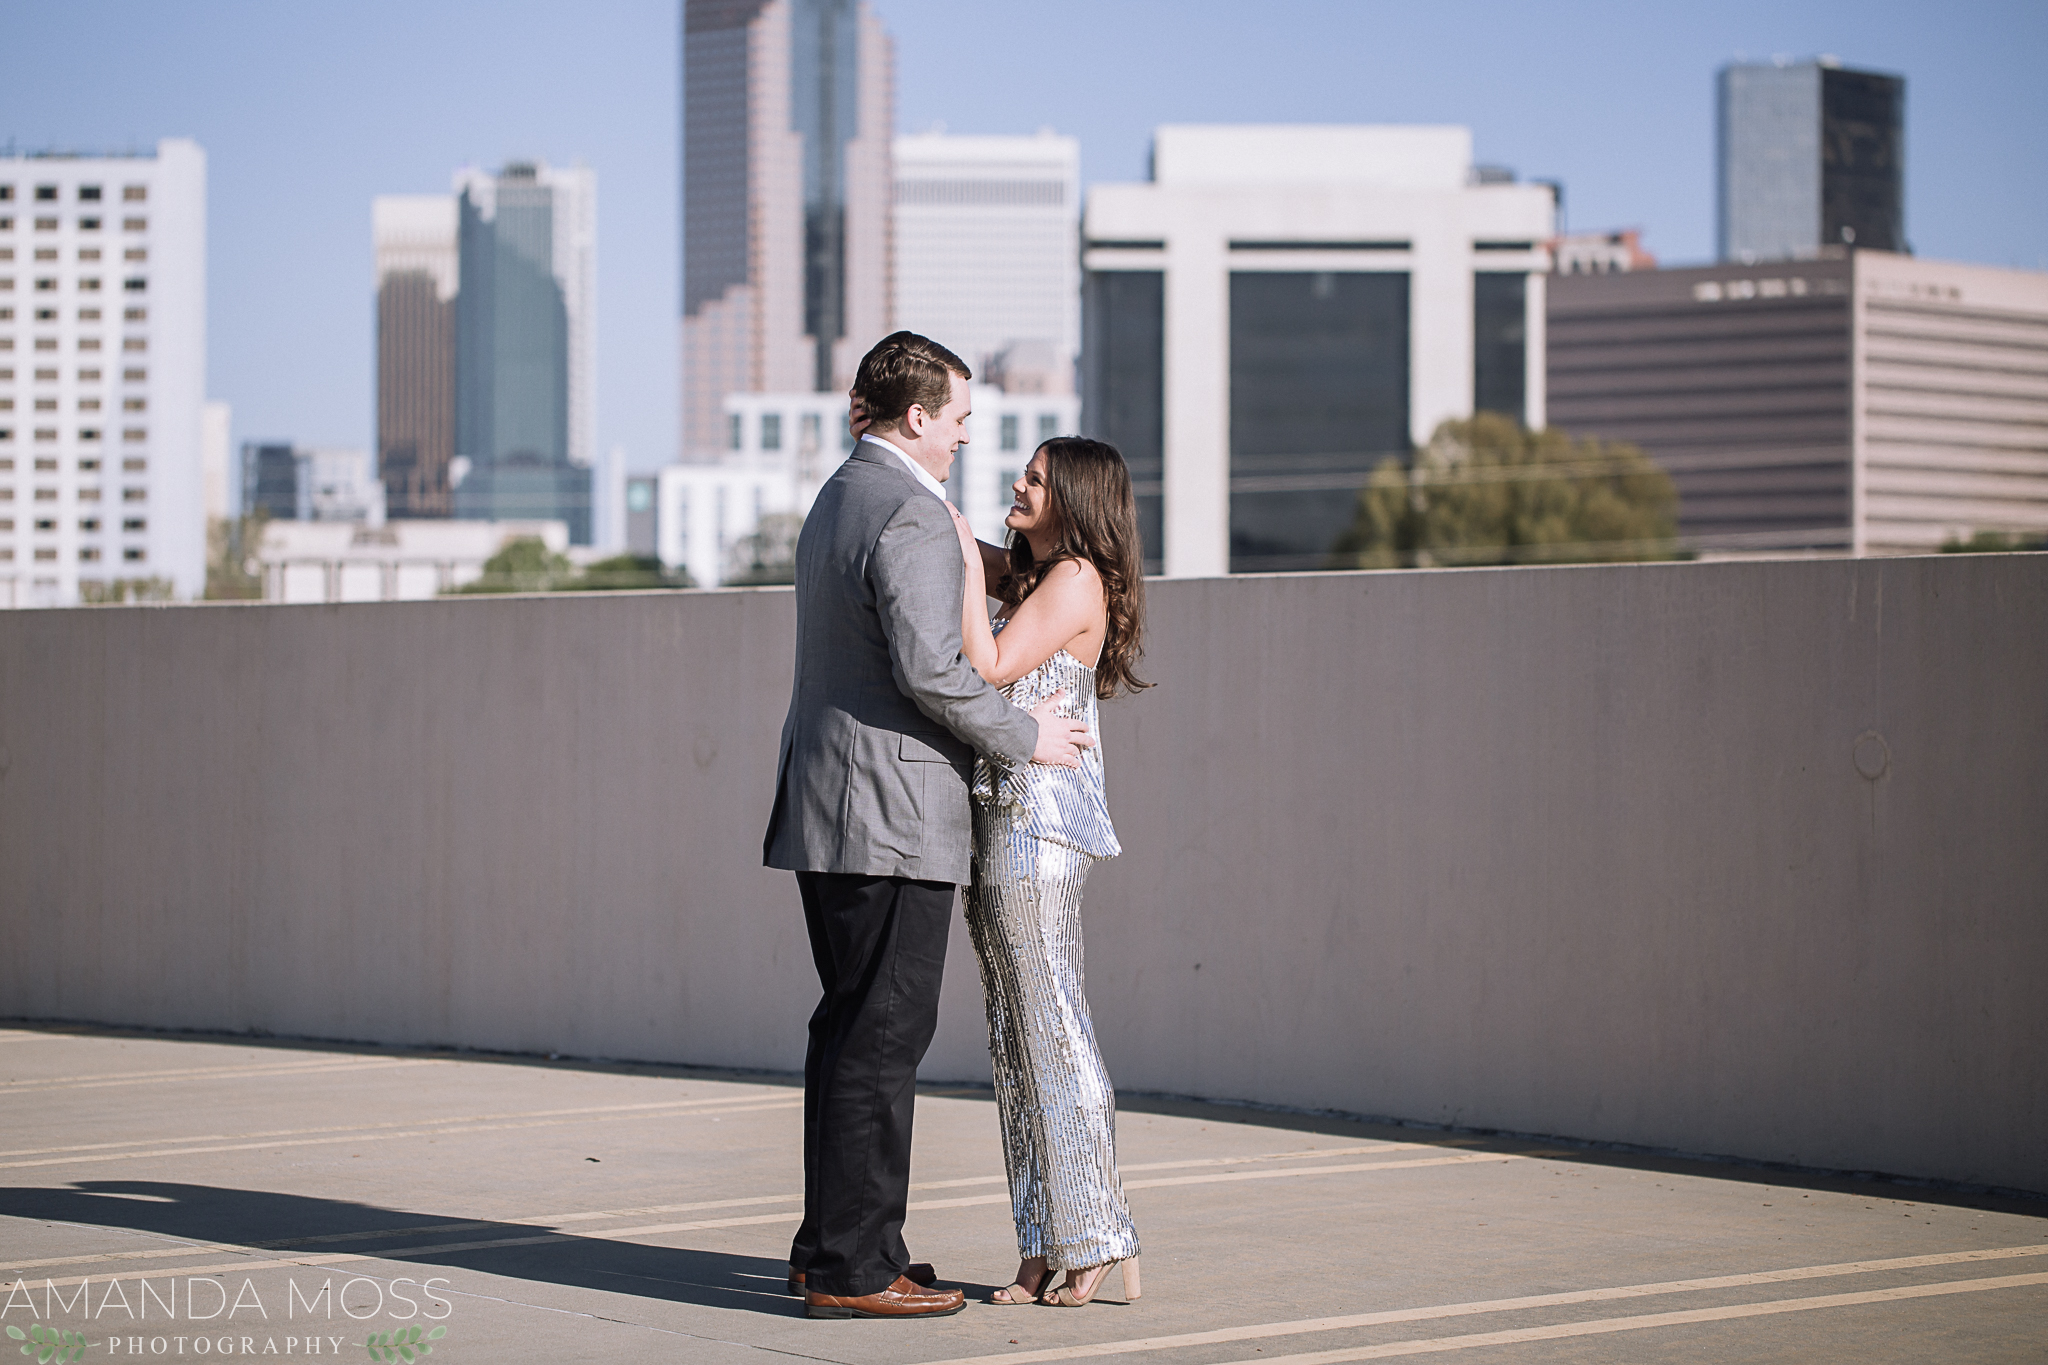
(1743,859)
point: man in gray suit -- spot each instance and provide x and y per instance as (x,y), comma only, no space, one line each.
(871,813)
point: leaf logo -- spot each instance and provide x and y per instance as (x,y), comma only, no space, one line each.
(407,1343)
(48,1344)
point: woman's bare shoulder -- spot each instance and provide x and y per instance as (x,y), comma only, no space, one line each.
(1075,573)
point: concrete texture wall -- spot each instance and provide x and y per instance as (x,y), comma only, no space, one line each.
(1743,859)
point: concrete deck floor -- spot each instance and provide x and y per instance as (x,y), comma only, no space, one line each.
(583,1212)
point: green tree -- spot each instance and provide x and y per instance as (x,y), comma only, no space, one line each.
(524,564)
(626,572)
(1487,491)
(768,555)
(231,544)
(1993,542)
(115,591)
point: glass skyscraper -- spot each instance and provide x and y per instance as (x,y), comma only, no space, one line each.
(787,117)
(512,360)
(486,348)
(1812,157)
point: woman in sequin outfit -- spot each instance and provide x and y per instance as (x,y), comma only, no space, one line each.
(1071,590)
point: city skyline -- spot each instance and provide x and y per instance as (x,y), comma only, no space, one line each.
(1624,119)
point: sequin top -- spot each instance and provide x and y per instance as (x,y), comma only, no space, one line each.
(1064,805)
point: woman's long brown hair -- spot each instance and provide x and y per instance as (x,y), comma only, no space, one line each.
(1088,492)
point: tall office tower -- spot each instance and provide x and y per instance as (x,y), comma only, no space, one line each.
(1281,308)
(417,275)
(102,374)
(525,344)
(987,255)
(1812,156)
(787,114)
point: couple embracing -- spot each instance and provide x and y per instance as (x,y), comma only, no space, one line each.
(927,746)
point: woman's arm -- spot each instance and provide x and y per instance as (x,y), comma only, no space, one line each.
(1066,606)
(995,565)
(977,637)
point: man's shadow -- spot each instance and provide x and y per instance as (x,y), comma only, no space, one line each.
(290,1224)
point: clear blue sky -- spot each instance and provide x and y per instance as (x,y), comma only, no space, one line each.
(307,110)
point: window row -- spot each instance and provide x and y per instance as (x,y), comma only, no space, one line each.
(130,314)
(771,430)
(133,344)
(86,194)
(84,495)
(86,525)
(47,464)
(84,224)
(7,404)
(131,435)
(90,284)
(133,554)
(85,253)
(1007,434)
(85,376)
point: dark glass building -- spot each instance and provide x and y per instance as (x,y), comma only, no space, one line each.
(1500,343)
(1812,159)
(270,480)
(1123,318)
(1318,396)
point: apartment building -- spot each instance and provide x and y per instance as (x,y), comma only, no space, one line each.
(102,375)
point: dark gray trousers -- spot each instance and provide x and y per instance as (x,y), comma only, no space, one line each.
(880,948)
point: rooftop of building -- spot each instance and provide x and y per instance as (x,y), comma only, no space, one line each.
(560,1209)
(1392,156)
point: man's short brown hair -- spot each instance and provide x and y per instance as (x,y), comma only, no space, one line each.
(906,370)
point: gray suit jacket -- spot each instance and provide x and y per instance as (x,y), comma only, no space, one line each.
(885,713)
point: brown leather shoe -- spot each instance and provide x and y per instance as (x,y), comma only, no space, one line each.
(903,1299)
(919,1273)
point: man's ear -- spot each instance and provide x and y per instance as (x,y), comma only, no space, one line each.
(915,420)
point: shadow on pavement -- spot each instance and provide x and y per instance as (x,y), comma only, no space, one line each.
(289,1224)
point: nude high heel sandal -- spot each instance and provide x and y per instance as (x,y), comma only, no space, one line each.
(1015,1294)
(1066,1296)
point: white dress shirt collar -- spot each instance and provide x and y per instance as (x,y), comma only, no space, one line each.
(918,471)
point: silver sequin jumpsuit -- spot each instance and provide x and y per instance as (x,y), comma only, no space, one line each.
(1037,831)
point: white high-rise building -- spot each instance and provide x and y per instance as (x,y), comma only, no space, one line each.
(987,255)
(216,460)
(102,376)
(1282,307)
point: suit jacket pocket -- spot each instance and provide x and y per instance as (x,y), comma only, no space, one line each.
(924,748)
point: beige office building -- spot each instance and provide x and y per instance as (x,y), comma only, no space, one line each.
(787,114)
(1870,403)
(988,256)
